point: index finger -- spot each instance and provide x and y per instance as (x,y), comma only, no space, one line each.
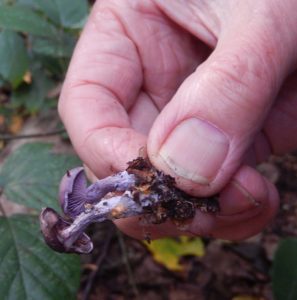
(102,83)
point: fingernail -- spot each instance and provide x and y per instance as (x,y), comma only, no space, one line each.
(235,199)
(195,150)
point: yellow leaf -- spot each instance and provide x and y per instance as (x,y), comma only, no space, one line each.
(168,251)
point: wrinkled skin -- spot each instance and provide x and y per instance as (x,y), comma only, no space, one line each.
(142,68)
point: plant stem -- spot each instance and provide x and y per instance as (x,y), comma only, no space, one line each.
(8,137)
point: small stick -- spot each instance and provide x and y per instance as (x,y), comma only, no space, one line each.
(9,137)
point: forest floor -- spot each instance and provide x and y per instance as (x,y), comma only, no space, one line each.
(123,268)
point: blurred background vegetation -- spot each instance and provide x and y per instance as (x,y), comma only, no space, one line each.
(37,39)
(36,42)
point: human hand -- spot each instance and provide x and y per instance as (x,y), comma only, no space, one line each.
(204,87)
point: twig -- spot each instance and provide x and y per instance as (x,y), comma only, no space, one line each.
(131,279)
(99,261)
(8,137)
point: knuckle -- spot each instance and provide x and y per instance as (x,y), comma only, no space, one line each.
(244,79)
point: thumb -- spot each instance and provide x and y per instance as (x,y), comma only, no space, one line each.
(202,135)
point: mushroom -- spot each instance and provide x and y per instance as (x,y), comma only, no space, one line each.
(53,228)
(140,190)
(74,195)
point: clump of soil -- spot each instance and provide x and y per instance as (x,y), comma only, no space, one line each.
(172,203)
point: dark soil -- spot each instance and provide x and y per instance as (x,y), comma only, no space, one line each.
(122,268)
(173,204)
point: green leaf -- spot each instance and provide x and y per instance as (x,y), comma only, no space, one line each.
(72,13)
(30,3)
(14,60)
(53,48)
(168,251)
(66,13)
(31,175)
(32,97)
(2,81)
(47,7)
(21,18)
(284,272)
(29,269)
(6,2)
(51,65)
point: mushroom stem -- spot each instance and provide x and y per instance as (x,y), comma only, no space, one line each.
(74,193)
(116,207)
(68,235)
(119,182)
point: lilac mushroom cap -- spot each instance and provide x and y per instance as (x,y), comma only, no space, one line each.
(72,192)
(52,225)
